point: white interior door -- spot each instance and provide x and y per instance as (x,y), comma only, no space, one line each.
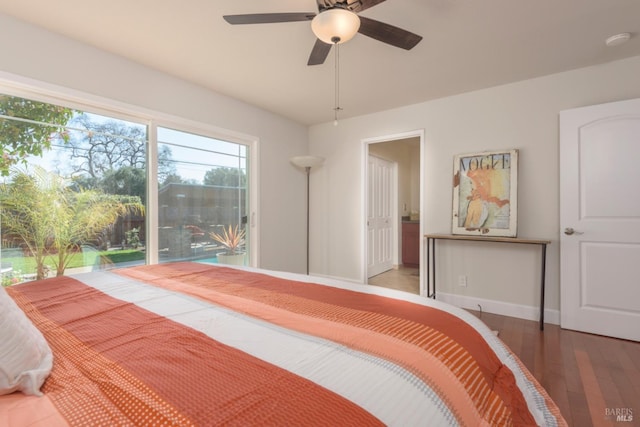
(379,216)
(600,219)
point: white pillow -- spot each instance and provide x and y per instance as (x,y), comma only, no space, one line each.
(25,357)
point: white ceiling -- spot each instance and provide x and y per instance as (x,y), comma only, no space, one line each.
(467,45)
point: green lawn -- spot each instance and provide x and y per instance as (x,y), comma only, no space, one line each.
(27,265)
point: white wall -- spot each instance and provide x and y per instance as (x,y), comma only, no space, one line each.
(77,68)
(522,115)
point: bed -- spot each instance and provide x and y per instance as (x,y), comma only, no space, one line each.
(190,343)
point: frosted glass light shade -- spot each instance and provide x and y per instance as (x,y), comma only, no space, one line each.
(335,26)
(307,161)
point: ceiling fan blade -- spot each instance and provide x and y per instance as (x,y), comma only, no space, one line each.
(388,33)
(319,53)
(268,18)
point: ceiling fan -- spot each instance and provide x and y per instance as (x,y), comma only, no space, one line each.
(336,22)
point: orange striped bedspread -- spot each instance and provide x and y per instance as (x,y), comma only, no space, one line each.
(196,344)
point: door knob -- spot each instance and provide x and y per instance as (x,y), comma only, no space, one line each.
(569,231)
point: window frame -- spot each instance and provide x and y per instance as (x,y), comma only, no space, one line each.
(38,91)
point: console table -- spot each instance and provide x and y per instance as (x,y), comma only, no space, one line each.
(431,259)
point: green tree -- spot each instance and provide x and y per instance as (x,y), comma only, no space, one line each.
(28,129)
(224,176)
(27,219)
(166,165)
(52,219)
(174,178)
(124,181)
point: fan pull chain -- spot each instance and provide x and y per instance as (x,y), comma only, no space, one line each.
(337,78)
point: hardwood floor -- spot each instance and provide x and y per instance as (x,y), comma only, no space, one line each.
(402,279)
(592,379)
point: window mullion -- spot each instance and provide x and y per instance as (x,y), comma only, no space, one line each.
(152,194)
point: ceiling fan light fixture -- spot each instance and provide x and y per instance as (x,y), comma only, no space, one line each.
(335,26)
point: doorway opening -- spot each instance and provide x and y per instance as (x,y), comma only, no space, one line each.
(393,188)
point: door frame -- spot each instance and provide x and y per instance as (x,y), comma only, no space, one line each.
(419,133)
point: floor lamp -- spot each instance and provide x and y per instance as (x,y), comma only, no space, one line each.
(307,162)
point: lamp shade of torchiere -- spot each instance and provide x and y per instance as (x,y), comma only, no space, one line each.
(306,163)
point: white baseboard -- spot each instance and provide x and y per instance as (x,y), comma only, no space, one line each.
(500,307)
(337,278)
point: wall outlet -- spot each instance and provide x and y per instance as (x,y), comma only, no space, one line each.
(462,280)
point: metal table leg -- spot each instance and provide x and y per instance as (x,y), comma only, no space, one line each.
(542,285)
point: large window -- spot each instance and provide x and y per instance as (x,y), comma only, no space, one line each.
(202,198)
(74,188)
(77,206)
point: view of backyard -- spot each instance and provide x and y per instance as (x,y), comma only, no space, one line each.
(73,193)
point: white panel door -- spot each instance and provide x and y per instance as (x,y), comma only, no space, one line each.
(379,216)
(600,219)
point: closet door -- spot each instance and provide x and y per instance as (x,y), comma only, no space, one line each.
(600,219)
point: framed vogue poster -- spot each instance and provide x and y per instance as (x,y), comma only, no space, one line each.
(485,188)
